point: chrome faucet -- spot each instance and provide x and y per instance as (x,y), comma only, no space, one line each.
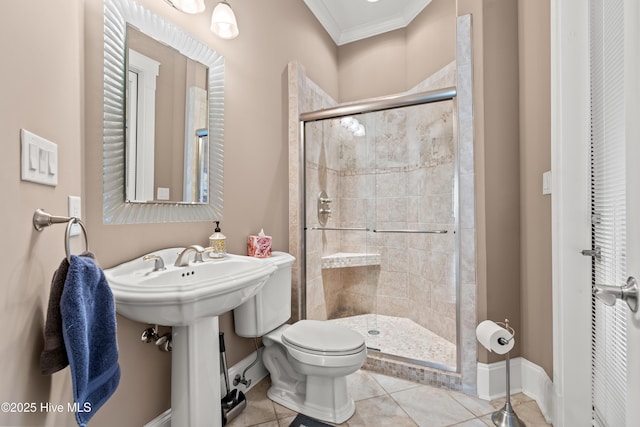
(183,257)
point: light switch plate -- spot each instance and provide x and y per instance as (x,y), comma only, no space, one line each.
(39,161)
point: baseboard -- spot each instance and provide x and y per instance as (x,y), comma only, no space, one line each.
(162,420)
(526,377)
(256,373)
(492,379)
(537,385)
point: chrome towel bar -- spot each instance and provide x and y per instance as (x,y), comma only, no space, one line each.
(42,220)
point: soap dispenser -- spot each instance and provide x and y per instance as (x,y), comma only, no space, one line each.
(218,243)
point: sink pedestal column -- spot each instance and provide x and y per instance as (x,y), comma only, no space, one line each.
(195,375)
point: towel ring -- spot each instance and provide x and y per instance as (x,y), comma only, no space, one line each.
(67,236)
(42,219)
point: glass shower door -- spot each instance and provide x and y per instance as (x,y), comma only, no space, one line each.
(381,216)
(415,209)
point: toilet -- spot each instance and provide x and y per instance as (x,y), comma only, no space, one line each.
(309,360)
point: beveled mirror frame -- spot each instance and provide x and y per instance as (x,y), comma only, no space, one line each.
(117,14)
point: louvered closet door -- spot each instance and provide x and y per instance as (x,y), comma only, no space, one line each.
(614,207)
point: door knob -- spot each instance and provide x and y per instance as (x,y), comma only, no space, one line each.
(628,293)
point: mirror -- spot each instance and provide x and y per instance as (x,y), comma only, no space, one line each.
(166,117)
(178,156)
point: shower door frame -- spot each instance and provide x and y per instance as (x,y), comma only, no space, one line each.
(370,106)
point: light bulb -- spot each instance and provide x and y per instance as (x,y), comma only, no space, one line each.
(223,21)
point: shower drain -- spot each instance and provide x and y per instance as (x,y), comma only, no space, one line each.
(374,332)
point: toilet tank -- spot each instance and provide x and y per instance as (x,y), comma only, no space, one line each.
(271,306)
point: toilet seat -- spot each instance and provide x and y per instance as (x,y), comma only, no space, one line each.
(322,338)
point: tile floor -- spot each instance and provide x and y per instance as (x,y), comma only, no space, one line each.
(385,401)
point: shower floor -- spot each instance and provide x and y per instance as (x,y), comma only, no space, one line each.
(402,337)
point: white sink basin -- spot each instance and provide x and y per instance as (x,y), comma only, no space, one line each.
(189,299)
(178,296)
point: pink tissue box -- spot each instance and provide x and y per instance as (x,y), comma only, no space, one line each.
(259,246)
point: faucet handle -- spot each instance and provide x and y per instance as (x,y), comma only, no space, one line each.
(158,264)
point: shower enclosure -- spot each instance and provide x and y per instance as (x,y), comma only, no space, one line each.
(380,243)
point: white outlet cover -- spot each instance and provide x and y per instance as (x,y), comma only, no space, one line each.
(546,183)
(75,210)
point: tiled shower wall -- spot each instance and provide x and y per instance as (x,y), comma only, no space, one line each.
(304,95)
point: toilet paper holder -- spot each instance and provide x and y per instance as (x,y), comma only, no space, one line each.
(508,327)
(506,416)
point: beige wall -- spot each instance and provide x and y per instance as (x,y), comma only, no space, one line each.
(535,158)
(431,41)
(373,67)
(501,191)
(41,85)
(396,61)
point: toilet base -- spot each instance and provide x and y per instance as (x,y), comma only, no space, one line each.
(333,404)
(323,397)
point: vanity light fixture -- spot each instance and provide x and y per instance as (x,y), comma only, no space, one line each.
(188,6)
(223,21)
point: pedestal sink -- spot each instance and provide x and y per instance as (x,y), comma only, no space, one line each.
(189,299)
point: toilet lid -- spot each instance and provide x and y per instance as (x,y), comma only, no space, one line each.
(322,336)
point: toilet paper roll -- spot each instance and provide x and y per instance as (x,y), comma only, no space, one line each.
(489,334)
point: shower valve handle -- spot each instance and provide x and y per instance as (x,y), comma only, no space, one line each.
(323,208)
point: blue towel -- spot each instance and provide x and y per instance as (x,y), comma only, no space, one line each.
(89,328)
